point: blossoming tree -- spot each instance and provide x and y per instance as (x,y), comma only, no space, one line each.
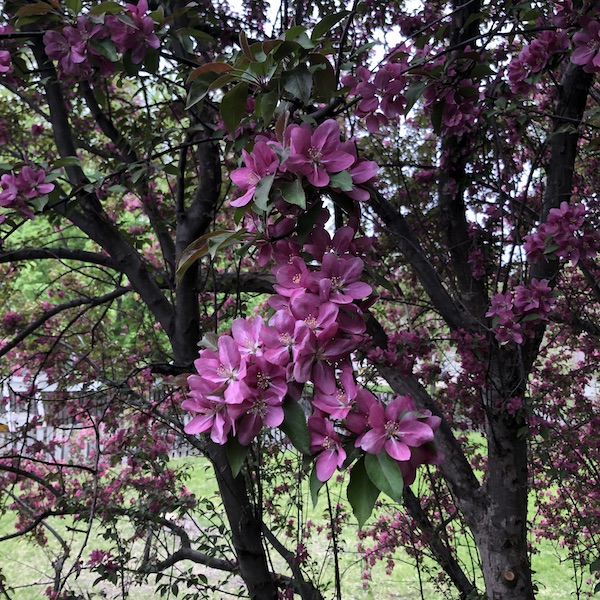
(410,190)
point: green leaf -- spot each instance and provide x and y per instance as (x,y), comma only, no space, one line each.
(196,250)
(39,202)
(306,222)
(385,473)
(315,486)
(298,82)
(236,453)
(261,194)
(294,425)
(67,161)
(151,60)
(324,26)
(107,7)
(233,106)
(362,493)
(131,68)
(196,34)
(413,93)
(266,105)
(74,6)
(293,193)
(198,90)
(324,79)
(341,181)
(172,169)
(39,8)
(106,48)
(436,116)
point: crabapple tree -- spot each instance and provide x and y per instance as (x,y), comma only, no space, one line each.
(380,226)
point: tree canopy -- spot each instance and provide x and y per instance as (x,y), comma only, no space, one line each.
(363,236)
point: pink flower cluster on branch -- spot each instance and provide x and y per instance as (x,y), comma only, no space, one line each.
(564,235)
(26,185)
(316,156)
(534,57)
(307,346)
(515,313)
(381,93)
(96,40)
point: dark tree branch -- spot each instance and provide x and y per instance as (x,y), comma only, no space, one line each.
(440,550)
(57,254)
(91,218)
(416,257)
(455,468)
(91,302)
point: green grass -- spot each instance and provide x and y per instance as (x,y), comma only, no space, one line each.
(26,566)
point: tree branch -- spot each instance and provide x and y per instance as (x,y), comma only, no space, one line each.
(420,263)
(60,308)
(58,254)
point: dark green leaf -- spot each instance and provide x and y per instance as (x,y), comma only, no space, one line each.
(39,202)
(315,486)
(197,34)
(293,193)
(266,105)
(324,26)
(106,48)
(385,473)
(261,194)
(67,161)
(236,453)
(233,106)
(306,222)
(294,425)
(39,8)
(196,250)
(362,493)
(341,181)
(172,169)
(324,79)
(413,93)
(107,7)
(131,68)
(298,82)
(436,116)
(151,61)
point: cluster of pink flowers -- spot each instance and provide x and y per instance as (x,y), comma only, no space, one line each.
(28,184)
(315,155)
(460,105)
(563,235)
(11,321)
(6,66)
(317,325)
(381,93)
(96,41)
(534,57)
(514,313)
(587,45)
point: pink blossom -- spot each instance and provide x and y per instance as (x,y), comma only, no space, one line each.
(318,154)
(325,440)
(135,33)
(338,404)
(587,46)
(224,369)
(6,67)
(261,163)
(338,280)
(396,428)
